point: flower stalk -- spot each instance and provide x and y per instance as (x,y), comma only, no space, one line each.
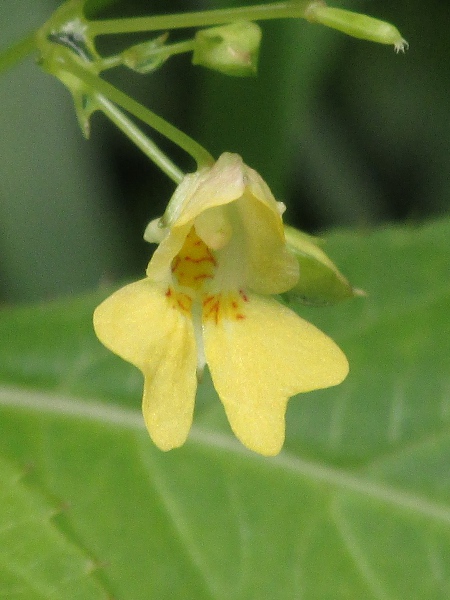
(17,52)
(148,147)
(295,9)
(95,87)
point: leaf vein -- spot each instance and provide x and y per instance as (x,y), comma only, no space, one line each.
(333,477)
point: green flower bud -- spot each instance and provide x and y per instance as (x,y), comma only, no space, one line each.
(320,282)
(147,56)
(356,25)
(231,49)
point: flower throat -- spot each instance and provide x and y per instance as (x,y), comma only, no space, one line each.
(192,268)
(194,264)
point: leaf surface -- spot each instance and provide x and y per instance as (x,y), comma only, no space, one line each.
(37,561)
(356,506)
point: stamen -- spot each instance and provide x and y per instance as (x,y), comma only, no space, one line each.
(198,333)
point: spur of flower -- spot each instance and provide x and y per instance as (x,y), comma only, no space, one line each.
(207,299)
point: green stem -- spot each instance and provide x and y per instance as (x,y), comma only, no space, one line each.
(17,52)
(198,153)
(178,48)
(142,141)
(110,62)
(169,50)
(278,10)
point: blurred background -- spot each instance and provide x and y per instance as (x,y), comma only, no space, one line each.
(345,132)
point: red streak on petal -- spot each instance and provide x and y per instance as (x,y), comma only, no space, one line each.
(202,276)
(176,261)
(197,261)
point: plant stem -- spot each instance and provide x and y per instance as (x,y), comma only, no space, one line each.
(17,52)
(110,62)
(142,141)
(178,48)
(169,50)
(278,10)
(100,86)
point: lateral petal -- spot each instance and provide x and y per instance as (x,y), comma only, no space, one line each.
(139,324)
(272,268)
(258,362)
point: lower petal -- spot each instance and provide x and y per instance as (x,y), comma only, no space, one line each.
(139,324)
(258,362)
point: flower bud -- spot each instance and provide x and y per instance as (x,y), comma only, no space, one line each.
(231,49)
(147,56)
(356,25)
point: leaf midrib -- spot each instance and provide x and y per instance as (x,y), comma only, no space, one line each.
(128,419)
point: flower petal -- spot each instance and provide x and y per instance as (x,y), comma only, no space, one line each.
(222,184)
(253,227)
(213,227)
(182,196)
(159,267)
(139,324)
(197,193)
(271,267)
(258,362)
(259,189)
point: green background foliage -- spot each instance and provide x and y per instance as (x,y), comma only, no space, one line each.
(357,506)
(345,132)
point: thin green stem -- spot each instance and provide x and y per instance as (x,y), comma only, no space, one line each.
(142,141)
(178,48)
(110,62)
(17,52)
(169,50)
(278,10)
(198,153)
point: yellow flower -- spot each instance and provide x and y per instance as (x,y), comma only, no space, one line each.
(221,253)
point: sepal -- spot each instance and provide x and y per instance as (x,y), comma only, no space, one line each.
(320,283)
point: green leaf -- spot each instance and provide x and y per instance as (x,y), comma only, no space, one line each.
(36,560)
(356,506)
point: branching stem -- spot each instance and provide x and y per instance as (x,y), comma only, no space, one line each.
(105,89)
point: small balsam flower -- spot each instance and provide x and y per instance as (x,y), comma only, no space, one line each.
(230,49)
(210,298)
(356,25)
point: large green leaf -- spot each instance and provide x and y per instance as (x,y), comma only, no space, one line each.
(37,561)
(357,506)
